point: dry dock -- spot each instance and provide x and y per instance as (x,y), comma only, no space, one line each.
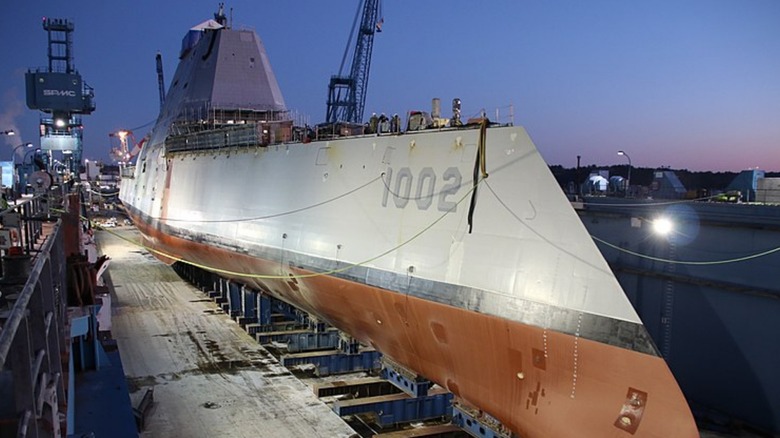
(209,377)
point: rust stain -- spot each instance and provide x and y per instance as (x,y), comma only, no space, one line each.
(534,398)
(400,308)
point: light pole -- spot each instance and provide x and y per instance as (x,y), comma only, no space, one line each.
(13,154)
(628,179)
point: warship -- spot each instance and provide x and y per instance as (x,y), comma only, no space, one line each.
(446,246)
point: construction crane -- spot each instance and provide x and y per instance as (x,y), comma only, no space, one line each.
(347,94)
(128,148)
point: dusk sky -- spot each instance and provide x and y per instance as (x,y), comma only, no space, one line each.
(687,84)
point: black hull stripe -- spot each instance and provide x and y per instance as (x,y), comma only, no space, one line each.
(604,329)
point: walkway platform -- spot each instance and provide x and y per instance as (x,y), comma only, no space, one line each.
(101,400)
(210,378)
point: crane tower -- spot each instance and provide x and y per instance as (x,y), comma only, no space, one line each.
(61,95)
(347,94)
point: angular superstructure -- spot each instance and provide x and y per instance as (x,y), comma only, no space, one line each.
(233,72)
(452,251)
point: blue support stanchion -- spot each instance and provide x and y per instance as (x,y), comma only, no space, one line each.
(399,408)
(233,305)
(334,362)
(310,341)
(219,292)
(264,309)
(283,337)
(264,315)
(477,427)
(405,380)
(248,306)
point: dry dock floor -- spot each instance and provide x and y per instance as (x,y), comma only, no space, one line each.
(210,378)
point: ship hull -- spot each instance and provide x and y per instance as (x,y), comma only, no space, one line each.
(537,382)
(491,289)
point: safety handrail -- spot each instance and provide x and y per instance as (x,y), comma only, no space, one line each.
(19,309)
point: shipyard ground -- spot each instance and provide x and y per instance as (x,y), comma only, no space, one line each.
(209,377)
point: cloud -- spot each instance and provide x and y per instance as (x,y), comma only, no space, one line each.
(12,108)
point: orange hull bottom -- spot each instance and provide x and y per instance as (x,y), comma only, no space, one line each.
(538,383)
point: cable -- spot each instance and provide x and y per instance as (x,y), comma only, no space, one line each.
(644,256)
(143,126)
(650,204)
(312,275)
(479,168)
(270,216)
(684,262)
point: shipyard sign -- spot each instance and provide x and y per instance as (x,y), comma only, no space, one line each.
(54,91)
(68,93)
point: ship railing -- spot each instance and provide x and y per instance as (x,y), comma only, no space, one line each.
(250,128)
(329,131)
(203,116)
(33,333)
(230,135)
(233,136)
(241,115)
(21,223)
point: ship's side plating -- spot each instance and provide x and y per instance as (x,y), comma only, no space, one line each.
(516,313)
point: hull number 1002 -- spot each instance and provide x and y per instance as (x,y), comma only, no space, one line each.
(403,187)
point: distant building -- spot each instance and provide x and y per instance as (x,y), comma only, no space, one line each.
(746,183)
(7,169)
(768,190)
(666,185)
(597,183)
